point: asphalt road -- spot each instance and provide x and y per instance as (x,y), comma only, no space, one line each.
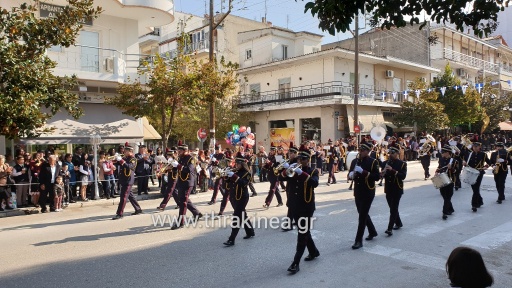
(82,247)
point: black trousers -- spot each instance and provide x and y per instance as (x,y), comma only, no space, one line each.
(447,193)
(425,163)
(500,179)
(363,205)
(274,189)
(341,164)
(184,203)
(126,194)
(330,168)
(240,215)
(225,199)
(476,200)
(142,183)
(169,192)
(393,200)
(251,187)
(304,239)
(263,175)
(47,192)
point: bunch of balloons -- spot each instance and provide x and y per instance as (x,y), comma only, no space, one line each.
(241,135)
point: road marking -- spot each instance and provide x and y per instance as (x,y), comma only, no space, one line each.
(407,256)
(492,238)
(337,212)
(440,225)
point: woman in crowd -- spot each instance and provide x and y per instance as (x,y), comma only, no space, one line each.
(85,173)
(5,191)
(35,169)
(72,178)
(320,156)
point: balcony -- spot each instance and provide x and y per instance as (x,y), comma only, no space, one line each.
(467,60)
(195,48)
(150,38)
(336,90)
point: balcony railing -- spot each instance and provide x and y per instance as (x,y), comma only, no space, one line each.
(190,48)
(470,61)
(322,91)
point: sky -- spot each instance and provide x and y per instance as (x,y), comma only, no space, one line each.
(284,13)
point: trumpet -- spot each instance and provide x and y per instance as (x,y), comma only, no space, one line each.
(219,173)
(290,172)
(280,166)
(114,157)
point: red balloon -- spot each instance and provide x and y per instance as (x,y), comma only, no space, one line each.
(242,129)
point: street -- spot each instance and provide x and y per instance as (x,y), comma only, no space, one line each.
(82,247)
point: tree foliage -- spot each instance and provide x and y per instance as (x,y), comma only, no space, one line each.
(426,112)
(26,81)
(337,15)
(461,108)
(494,107)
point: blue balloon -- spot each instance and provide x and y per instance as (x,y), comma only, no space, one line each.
(243,134)
(236,137)
(229,134)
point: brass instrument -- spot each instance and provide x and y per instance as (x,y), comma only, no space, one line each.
(466,142)
(290,172)
(111,158)
(497,165)
(427,146)
(280,166)
(455,149)
(222,172)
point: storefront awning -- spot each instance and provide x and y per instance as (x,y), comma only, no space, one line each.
(150,132)
(107,121)
(368,116)
(506,126)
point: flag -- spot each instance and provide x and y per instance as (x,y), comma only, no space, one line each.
(429,90)
(464,87)
(479,87)
(443,89)
(406,94)
(495,83)
(394,95)
(383,94)
(510,83)
(417,93)
(455,87)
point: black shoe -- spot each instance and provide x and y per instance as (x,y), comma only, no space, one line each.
(177,207)
(334,182)
(146,193)
(1,209)
(357,245)
(371,236)
(211,202)
(229,243)
(113,196)
(176,227)
(445,216)
(279,204)
(137,212)
(160,208)
(380,184)
(396,227)
(254,194)
(117,217)
(248,236)
(311,257)
(286,229)
(389,232)
(474,209)
(498,201)
(51,209)
(294,268)
(72,201)
(7,207)
(198,216)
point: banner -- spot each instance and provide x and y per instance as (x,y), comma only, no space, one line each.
(282,136)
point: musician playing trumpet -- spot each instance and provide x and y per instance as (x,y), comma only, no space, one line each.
(172,179)
(447,164)
(394,172)
(477,160)
(500,159)
(269,165)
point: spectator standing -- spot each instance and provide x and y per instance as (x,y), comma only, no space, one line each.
(20,176)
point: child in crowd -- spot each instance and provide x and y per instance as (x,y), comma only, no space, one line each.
(64,173)
(58,189)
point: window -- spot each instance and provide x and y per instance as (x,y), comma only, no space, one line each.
(248,55)
(310,129)
(397,84)
(89,57)
(284,88)
(255,90)
(285,51)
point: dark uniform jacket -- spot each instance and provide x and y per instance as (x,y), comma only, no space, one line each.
(443,163)
(127,170)
(301,190)
(477,160)
(503,154)
(186,171)
(143,165)
(364,184)
(237,185)
(395,178)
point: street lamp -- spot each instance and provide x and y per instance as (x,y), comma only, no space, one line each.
(95,140)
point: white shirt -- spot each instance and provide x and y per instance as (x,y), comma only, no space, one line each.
(54,169)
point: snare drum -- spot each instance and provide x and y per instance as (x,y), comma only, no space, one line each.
(441,180)
(470,175)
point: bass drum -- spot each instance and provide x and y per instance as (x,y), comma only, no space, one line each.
(350,157)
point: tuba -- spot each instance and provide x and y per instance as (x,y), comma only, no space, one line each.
(378,133)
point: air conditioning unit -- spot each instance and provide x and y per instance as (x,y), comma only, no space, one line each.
(461,72)
(423,79)
(390,74)
(109,64)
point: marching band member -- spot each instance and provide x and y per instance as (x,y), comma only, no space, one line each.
(280,152)
(172,180)
(239,180)
(427,149)
(217,157)
(272,178)
(459,156)
(394,171)
(500,158)
(185,183)
(477,160)
(301,202)
(225,186)
(332,157)
(364,171)
(343,155)
(449,165)
(143,170)
(293,152)
(250,159)
(126,178)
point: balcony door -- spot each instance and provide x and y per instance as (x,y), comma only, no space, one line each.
(89,55)
(284,88)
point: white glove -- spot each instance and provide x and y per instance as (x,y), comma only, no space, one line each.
(230,173)
(501,160)
(286,165)
(214,159)
(298,171)
(119,158)
(358,169)
(351,175)
(174,164)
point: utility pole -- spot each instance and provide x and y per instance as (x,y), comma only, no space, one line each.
(356,78)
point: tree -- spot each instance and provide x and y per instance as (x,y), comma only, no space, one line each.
(426,111)
(26,81)
(337,15)
(494,107)
(461,108)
